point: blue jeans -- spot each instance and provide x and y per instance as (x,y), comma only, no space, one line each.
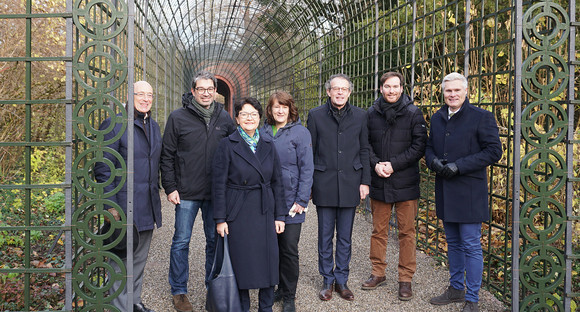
(465,257)
(185,214)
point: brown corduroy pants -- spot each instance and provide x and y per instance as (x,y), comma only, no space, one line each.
(406,212)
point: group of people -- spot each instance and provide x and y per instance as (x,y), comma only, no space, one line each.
(254,185)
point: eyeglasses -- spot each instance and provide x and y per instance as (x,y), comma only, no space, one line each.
(144,95)
(209,90)
(245,115)
(343,89)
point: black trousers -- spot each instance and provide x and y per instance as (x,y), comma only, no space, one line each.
(265,299)
(289,265)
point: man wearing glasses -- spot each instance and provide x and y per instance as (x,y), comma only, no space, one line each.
(191,136)
(147,204)
(341,179)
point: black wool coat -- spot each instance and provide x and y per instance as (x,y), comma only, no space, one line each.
(470,139)
(248,194)
(341,155)
(403,144)
(146,154)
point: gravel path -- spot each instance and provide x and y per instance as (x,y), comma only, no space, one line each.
(430,279)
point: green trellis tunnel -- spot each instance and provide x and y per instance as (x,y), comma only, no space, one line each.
(520,58)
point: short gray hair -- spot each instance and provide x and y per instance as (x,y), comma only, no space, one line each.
(343,76)
(454,76)
(203,75)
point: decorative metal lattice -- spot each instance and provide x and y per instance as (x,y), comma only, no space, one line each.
(100,68)
(542,223)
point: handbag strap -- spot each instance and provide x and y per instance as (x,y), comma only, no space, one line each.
(222,248)
(226,263)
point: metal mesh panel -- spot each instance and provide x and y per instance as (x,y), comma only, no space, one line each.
(29,133)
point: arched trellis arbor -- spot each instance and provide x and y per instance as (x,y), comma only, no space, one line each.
(520,58)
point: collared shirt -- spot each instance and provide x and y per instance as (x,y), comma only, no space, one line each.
(450,113)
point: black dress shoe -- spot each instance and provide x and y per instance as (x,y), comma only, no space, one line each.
(139,307)
(289,305)
(277,295)
(326,292)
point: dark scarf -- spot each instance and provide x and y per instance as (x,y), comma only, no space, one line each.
(204,113)
(391,110)
(338,113)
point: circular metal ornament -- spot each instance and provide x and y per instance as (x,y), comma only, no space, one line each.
(89,281)
(550,114)
(543,163)
(86,234)
(553,217)
(101,62)
(548,262)
(539,303)
(93,105)
(556,74)
(100,19)
(82,175)
(552,14)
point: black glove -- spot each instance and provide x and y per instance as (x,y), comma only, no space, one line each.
(450,170)
(436,165)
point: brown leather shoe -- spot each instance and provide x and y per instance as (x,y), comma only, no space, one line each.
(373,282)
(405,291)
(326,293)
(182,304)
(344,292)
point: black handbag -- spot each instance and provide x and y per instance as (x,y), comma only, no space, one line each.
(222,288)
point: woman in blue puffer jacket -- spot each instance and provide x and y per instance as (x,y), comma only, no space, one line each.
(294,146)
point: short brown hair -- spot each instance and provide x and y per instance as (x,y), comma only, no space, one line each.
(388,75)
(283,98)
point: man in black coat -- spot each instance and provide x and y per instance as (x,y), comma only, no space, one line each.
(191,136)
(397,136)
(341,179)
(463,141)
(146,201)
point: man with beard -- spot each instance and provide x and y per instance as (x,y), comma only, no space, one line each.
(397,136)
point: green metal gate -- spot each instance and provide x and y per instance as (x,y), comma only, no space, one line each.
(111,52)
(545,142)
